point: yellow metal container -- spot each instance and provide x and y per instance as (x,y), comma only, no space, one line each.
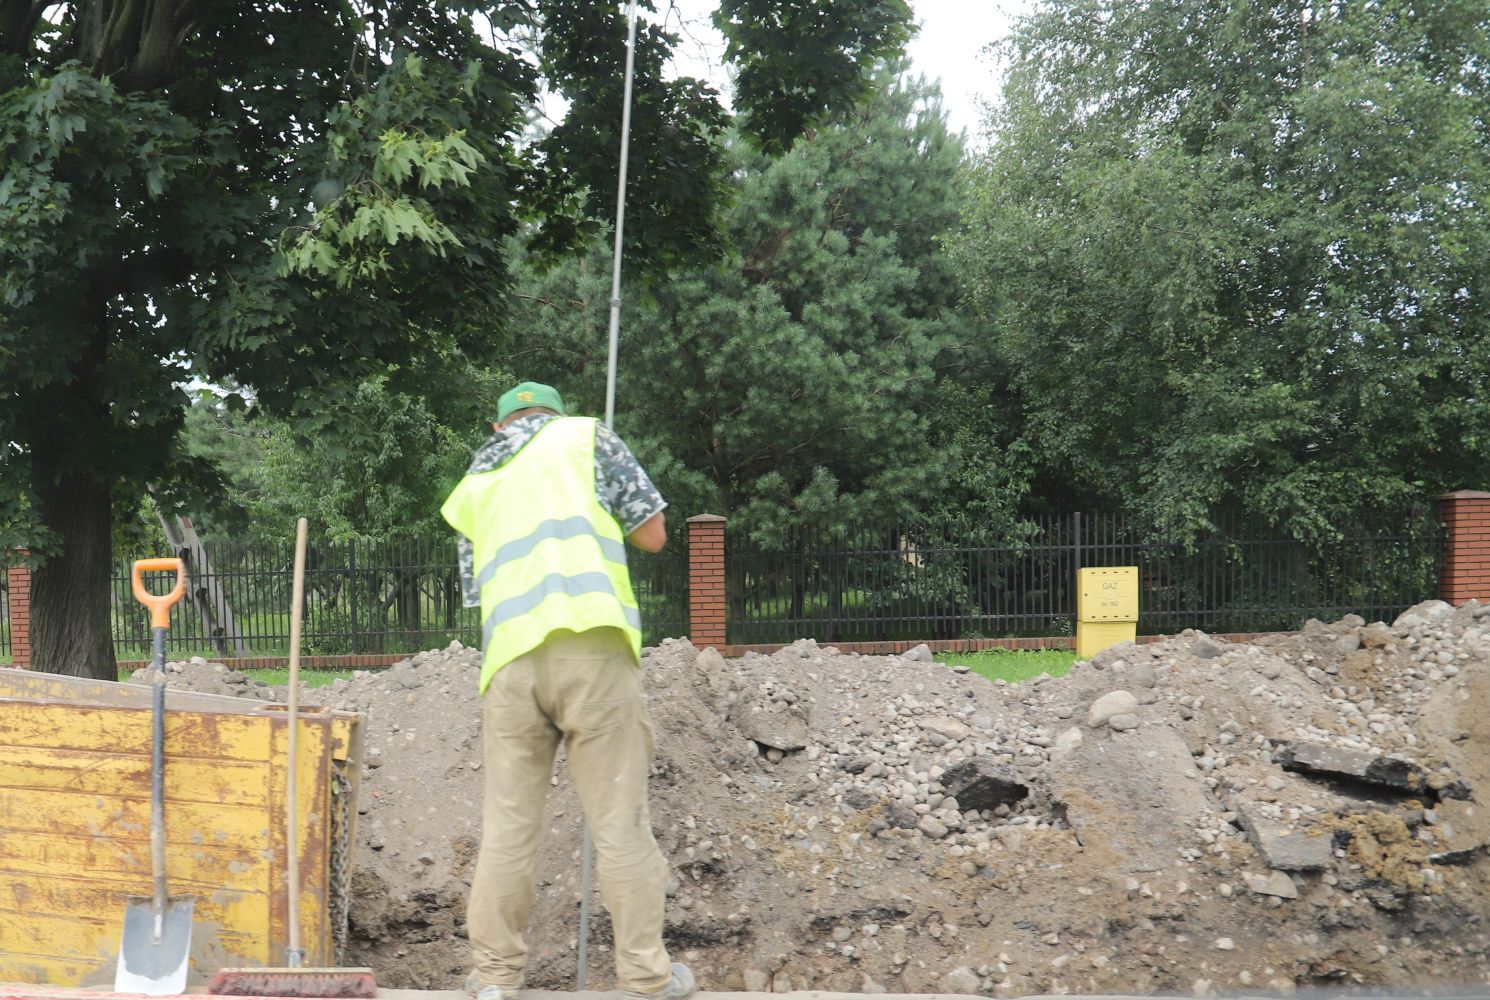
(75,824)
(1106,608)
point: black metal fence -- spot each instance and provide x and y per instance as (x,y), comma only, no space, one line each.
(360,598)
(913,581)
(4,623)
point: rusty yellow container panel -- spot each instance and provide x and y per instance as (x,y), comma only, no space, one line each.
(1106,608)
(75,825)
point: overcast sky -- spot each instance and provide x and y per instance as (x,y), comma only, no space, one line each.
(948,48)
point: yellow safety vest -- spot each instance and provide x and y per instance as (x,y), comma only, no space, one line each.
(547,555)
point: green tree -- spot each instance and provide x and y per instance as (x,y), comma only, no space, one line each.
(795,381)
(382,473)
(297,196)
(1234,253)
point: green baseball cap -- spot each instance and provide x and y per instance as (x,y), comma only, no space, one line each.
(527,394)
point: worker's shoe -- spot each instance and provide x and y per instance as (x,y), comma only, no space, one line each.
(473,987)
(498,993)
(680,986)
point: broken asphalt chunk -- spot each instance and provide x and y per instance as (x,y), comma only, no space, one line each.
(1320,760)
(1295,852)
(981,784)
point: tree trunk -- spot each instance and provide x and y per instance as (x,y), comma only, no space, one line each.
(70,628)
(410,607)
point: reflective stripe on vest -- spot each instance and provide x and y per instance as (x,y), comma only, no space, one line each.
(570,527)
(554,583)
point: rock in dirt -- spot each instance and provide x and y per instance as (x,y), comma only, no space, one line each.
(1284,850)
(782,729)
(1425,613)
(1277,884)
(981,783)
(1110,704)
(1374,769)
(959,980)
(1207,648)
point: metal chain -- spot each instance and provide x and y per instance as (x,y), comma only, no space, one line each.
(341,859)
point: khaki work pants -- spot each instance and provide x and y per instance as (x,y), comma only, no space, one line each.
(585,688)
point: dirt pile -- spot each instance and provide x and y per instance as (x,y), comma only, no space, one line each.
(1194,815)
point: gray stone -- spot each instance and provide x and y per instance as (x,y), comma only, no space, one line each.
(959,980)
(921,654)
(860,798)
(1424,613)
(782,728)
(709,660)
(1142,675)
(1110,704)
(951,729)
(1207,648)
(1107,657)
(1012,837)
(932,827)
(857,765)
(980,783)
(1123,721)
(900,817)
(1277,884)
(1296,852)
(1065,742)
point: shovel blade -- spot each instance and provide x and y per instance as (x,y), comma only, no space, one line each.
(153,954)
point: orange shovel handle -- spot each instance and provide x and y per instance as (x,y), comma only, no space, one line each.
(159,604)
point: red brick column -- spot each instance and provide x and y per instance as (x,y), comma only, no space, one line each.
(706,580)
(1466,546)
(18,588)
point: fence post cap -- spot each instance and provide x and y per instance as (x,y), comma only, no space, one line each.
(704,518)
(1464,495)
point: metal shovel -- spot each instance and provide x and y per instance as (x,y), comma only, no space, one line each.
(156,942)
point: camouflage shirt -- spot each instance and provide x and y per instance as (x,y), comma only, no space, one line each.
(621,485)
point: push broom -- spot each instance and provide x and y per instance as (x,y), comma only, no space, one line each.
(293,980)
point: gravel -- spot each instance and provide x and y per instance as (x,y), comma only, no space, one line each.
(850,823)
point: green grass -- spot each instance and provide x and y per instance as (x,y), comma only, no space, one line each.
(280,676)
(1013,665)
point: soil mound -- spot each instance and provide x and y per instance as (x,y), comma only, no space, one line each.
(1193,815)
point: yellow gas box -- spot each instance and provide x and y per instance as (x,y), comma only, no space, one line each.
(1106,608)
(75,825)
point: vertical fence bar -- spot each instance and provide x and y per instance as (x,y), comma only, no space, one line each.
(352,593)
(1076,534)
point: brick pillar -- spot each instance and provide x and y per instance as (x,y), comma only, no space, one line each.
(18,588)
(1466,546)
(706,580)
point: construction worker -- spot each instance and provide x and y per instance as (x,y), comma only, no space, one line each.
(542,512)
